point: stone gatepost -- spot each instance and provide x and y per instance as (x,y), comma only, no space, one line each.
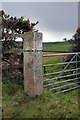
(33,75)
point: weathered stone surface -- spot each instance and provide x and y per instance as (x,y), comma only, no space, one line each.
(33,76)
(32,41)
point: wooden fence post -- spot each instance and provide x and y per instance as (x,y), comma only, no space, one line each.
(33,75)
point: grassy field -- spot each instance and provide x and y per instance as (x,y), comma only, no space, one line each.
(57,46)
(52,46)
(17,104)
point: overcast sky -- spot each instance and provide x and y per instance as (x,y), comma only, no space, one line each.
(57,20)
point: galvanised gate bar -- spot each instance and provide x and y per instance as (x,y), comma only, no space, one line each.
(66,79)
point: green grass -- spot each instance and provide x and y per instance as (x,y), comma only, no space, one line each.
(57,46)
(16,104)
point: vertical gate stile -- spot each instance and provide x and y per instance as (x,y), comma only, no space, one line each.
(44,69)
(76,64)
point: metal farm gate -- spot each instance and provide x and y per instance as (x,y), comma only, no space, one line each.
(64,75)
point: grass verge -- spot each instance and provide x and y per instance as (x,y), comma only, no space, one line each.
(16,104)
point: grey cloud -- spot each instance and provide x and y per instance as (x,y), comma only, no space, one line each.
(55,16)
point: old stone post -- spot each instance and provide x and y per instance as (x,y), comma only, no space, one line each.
(33,76)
